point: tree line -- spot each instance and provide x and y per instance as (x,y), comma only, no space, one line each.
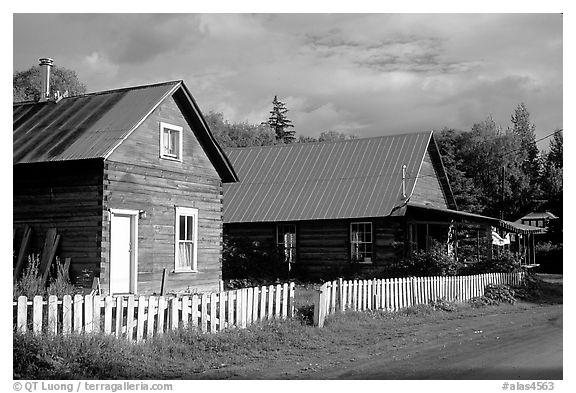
(492,171)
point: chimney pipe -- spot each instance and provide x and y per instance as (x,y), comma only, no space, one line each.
(45,65)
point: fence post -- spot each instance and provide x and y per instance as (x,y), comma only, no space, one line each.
(291,299)
(320,307)
(37,315)
(341,294)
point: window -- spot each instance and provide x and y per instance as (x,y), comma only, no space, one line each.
(186,239)
(361,241)
(286,240)
(170,141)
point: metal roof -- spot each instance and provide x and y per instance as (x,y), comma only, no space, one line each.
(309,181)
(81,127)
(456,214)
(538,215)
(92,125)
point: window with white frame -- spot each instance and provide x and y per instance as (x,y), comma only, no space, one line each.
(186,239)
(361,242)
(170,141)
(286,240)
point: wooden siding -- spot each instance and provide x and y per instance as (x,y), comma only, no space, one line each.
(66,196)
(323,246)
(135,177)
(428,189)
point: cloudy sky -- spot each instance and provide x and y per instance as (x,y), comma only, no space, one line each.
(365,74)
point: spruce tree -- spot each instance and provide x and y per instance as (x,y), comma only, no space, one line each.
(524,131)
(280,123)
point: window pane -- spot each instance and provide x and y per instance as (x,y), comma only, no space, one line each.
(186,256)
(165,141)
(182,234)
(189,228)
(174,142)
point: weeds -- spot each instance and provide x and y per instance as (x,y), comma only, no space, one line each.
(30,284)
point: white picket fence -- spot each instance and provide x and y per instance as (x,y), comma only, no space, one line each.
(141,317)
(396,293)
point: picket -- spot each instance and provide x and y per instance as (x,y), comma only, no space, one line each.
(397,293)
(37,315)
(53,314)
(66,314)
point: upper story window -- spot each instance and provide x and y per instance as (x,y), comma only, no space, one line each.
(361,241)
(170,141)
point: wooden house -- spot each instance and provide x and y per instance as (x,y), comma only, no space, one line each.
(363,203)
(131,179)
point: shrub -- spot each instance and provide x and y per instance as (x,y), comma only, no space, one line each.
(60,285)
(503,262)
(30,283)
(494,294)
(443,305)
(549,256)
(434,262)
(248,259)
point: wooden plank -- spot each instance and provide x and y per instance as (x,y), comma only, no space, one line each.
(369,300)
(185,311)
(173,307)
(213,307)
(244,294)
(22,317)
(195,301)
(78,300)
(48,252)
(270,302)
(108,306)
(263,293)
(22,252)
(222,310)
(96,306)
(130,318)
(151,314)
(119,316)
(255,304)
(66,314)
(141,317)
(278,296)
(204,313)
(163,283)
(230,302)
(248,305)
(160,320)
(291,299)
(284,312)
(52,314)
(37,314)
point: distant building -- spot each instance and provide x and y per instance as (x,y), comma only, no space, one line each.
(538,219)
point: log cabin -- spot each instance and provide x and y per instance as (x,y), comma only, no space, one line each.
(360,206)
(131,179)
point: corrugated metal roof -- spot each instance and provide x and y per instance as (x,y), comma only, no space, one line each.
(472,217)
(82,127)
(538,215)
(308,181)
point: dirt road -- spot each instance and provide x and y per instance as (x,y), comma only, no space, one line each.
(526,345)
(505,343)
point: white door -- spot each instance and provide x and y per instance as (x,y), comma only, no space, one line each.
(123,252)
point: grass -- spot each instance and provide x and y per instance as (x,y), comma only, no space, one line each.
(187,354)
